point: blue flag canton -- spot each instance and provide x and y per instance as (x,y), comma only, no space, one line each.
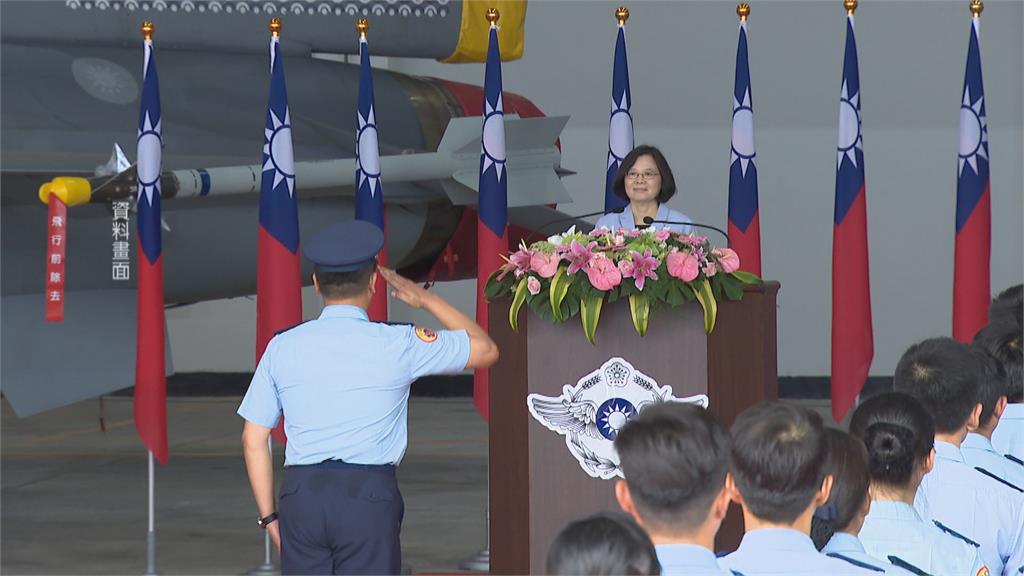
(150,148)
(493,202)
(743,204)
(620,129)
(278,208)
(973,157)
(850,151)
(369,199)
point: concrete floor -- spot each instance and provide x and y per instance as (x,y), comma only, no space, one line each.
(74,498)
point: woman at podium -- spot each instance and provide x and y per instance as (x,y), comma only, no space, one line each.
(645,180)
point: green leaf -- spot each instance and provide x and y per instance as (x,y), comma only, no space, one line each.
(746,277)
(716,286)
(640,310)
(706,297)
(559,288)
(517,303)
(590,314)
(674,297)
(733,288)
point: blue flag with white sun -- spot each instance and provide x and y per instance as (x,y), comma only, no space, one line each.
(493,175)
(369,198)
(279,214)
(620,125)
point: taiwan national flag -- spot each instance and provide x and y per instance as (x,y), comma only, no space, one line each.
(369,194)
(620,126)
(278,277)
(744,219)
(492,227)
(150,368)
(852,339)
(973,204)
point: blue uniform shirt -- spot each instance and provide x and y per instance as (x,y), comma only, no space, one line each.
(895,529)
(979,453)
(689,559)
(848,547)
(1008,437)
(784,551)
(343,384)
(978,507)
(625,220)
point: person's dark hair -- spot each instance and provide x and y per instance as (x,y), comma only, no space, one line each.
(778,459)
(674,457)
(1001,339)
(1009,305)
(899,434)
(340,285)
(991,383)
(848,465)
(668,181)
(605,543)
(943,374)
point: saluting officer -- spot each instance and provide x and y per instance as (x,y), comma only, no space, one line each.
(342,383)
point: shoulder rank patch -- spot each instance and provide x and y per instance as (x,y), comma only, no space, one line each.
(998,479)
(901,563)
(1014,459)
(426,334)
(983,571)
(856,563)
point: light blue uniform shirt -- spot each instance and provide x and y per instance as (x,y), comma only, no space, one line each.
(895,529)
(848,547)
(1008,437)
(625,220)
(689,559)
(976,506)
(784,551)
(979,453)
(343,384)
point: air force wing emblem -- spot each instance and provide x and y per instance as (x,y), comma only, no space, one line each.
(591,413)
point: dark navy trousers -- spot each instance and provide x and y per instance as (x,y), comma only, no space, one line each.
(339,518)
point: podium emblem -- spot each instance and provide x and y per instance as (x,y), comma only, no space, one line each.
(590,414)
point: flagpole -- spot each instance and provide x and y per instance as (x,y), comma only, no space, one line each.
(267,568)
(151,534)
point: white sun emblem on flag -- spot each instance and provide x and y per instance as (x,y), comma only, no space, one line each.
(277,146)
(620,140)
(973,133)
(850,139)
(367,152)
(493,142)
(742,132)
(149,145)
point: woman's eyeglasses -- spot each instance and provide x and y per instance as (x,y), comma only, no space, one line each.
(632,175)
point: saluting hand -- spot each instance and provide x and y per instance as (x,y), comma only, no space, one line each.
(404,289)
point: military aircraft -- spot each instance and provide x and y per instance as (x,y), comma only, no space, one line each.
(71,75)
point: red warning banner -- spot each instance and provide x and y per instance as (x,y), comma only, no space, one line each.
(56,249)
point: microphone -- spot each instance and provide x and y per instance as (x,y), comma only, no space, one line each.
(535,233)
(648,221)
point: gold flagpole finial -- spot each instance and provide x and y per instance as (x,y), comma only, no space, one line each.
(275,26)
(622,15)
(363,26)
(743,10)
(851,6)
(976,7)
(493,15)
(147,30)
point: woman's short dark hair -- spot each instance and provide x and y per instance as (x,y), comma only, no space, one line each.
(848,465)
(668,182)
(898,433)
(605,543)
(1002,340)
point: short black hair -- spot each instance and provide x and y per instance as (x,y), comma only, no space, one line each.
(1002,339)
(943,374)
(605,543)
(848,465)
(340,285)
(779,452)
(668,181)
(674,457)
(991,383)
(899,434)
(1008,305)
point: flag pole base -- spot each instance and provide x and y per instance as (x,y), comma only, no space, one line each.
(264,570)
(479,563)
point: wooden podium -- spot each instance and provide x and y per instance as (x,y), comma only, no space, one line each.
(536,485)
